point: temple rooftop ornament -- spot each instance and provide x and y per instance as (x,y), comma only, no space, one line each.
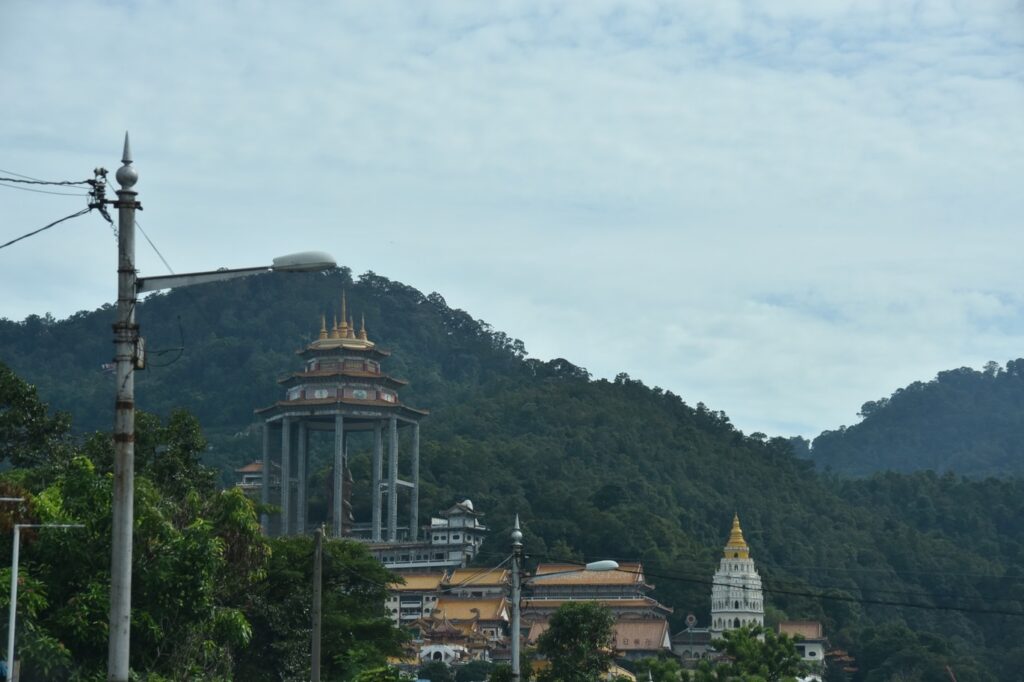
(343,335)
(736,547)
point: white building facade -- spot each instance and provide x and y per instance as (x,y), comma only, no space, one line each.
(736,596)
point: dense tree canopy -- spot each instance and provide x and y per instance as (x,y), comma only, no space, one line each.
(596,468)
(966,421)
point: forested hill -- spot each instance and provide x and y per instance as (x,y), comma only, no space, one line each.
(909,573)
(966,421)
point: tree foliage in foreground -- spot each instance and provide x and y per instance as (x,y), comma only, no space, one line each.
(209,593)
(578,643)
(753,654)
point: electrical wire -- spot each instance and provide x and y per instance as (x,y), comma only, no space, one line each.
(831,597)
(20,175)
(159,255)
(23,180)
(45,227)
(44,191)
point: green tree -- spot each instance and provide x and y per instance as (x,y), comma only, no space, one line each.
(577,643)
(183,621)
(661,669)
(474,671)
(357,634)
(29,435)
(382,674)
(754,654)
(436,671)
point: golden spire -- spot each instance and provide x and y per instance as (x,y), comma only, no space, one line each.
(323,326)
(334,329)
(362,329)
(736,548)
(351,328)
(343,330)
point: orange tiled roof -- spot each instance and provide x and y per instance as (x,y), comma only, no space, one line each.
(808,629)
(629,635)
(640,635)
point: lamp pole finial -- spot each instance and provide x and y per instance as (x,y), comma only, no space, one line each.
(127,176)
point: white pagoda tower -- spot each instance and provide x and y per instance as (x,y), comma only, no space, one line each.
(736,597)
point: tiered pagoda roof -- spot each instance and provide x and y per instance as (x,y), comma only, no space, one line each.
(342,367)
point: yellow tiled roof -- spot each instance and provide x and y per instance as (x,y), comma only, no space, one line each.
(573,574)
(489,577)
(468,609)
(613,604)
(419,582)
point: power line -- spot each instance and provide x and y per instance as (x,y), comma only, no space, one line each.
(159,255)
(46,227)
(43,191)
(20,175)
(843,598)
(25,181)
(831,597)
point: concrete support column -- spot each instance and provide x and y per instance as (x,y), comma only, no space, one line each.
(378,452)
(303,485)
(265,480)
(338,488)
(414,503)
(392,479)
(286,474)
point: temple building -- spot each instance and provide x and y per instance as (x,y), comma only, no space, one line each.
(450,541)
(341,391)
(640,629)
(736,597)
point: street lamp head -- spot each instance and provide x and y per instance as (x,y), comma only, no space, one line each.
(305,261)
(605,565)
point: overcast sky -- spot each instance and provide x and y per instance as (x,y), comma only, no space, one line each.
(782,209)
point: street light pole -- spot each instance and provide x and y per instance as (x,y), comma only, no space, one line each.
(517,559)
(318,579)
(127,357)
(517,587)
(125,335)
(12,611)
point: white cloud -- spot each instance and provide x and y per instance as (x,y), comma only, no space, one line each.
(787,208)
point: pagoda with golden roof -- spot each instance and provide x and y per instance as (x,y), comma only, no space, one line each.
(341,389)
(736,595)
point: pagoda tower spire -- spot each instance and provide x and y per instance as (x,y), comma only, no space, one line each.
(737,599)
(343,330)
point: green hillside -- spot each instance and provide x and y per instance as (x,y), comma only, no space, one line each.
(908,572)
(966,421)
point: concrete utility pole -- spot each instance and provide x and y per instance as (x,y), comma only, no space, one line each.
(125,340)
(128,357)
(517,560)
(318,573)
